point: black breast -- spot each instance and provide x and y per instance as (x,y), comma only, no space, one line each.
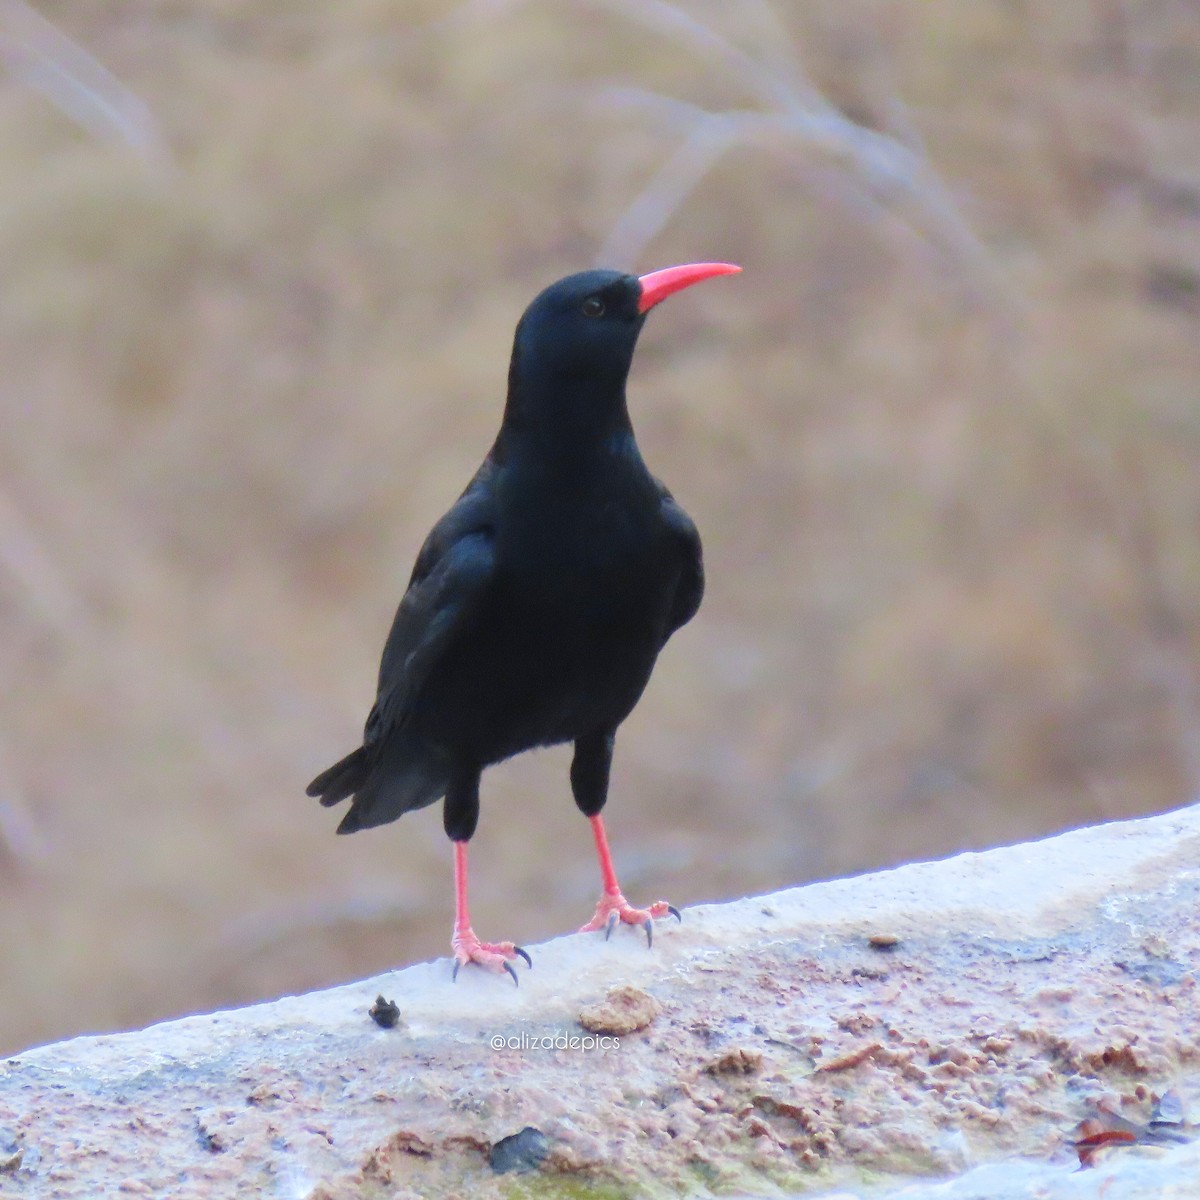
(569,634)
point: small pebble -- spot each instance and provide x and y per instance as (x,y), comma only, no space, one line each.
(738,1061)
(520,1152)
(384,1013)
(624,1010)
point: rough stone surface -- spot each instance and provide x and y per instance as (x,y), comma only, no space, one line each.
(1005,994)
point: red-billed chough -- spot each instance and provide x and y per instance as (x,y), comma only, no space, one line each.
(540,601)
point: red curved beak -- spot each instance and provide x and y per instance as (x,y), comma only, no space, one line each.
(658,285)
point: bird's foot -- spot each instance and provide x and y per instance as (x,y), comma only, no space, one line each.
(496,956)
(613,909)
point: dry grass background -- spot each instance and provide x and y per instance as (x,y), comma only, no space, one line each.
(941,439)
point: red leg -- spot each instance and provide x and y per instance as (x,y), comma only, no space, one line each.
(467,947)
(613,907)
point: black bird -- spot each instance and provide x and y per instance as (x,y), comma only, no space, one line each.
(538,604)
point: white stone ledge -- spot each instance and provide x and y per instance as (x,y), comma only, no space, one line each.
(788,1053)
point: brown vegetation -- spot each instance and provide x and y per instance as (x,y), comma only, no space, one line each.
(941,439)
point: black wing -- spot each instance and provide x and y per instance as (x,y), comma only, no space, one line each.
(452,571)
(686,537)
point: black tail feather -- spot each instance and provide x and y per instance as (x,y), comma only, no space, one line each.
(386,779)
(344,778)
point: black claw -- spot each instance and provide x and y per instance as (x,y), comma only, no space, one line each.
(675,913)
(513,972)
(610,924)
(454,973)
(528,961)
(649,928)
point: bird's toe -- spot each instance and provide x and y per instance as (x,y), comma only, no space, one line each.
(614,910)
(494,956)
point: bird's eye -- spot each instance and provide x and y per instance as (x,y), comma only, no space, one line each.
(593,306)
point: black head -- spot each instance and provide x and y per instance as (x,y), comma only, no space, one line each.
(574,345)
(581,330)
